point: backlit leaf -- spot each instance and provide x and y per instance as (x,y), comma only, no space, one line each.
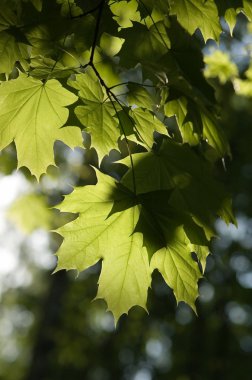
(32,114)
(197,14)
(98,114)
(105,231)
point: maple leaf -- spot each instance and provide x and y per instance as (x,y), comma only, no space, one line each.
(139,96)
(32,114)
(170,236)
(124,231)
(178,108)
(97,115)
(197,14)
(104,230)
(7,16)
(178,268)
(176,167)
(10,51)
(146,124)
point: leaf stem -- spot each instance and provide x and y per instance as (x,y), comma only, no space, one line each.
(112,96)
(136,84)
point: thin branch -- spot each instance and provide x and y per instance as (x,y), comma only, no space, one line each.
(112,96)
(154,23)
(136,84)
(108,91)
(96,32)
(127,144)
(56,61)
(88,12)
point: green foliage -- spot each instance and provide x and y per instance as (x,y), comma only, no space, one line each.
(30,212)
(194,14)
(219,65)
(129,73)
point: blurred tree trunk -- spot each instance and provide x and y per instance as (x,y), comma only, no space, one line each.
(50,315)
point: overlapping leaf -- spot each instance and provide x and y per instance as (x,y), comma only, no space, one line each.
(133,237)
(178,269)
(98,114)
(175,166)
(200,124)
(10,51)
(146,124)
(178,108)
(197,14)
(12,48)
(7,16)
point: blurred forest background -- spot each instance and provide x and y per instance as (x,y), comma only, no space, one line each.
(50,329)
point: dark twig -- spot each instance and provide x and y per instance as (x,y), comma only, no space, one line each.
(88,12)
(112,96)
(96,32)
(136,84)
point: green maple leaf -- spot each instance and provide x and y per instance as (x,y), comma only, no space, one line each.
(7,16)
(174,165)
(104,230)
(200,124)
(10,51)
(161,222)
(150,45)
(178,108)
(98,114)
(110,45)
(170,236)
(194,14)
(127,284)
(44,68)
(40,39)
(139,96)
(125,12)
(177,267)
(32,114)
(214,134)
(146,124)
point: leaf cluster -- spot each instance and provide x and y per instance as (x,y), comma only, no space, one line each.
(129,73)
